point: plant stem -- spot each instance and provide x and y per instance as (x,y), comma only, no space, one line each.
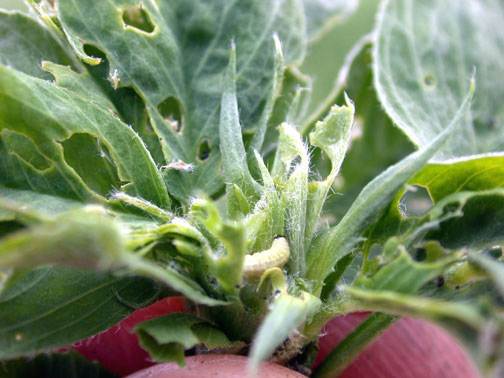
(354,344)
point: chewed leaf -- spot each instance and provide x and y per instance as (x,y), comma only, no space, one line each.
(80,83)
(475,173)
(423,60)
(373,198)
(226,265)
(171,52)
(166,337)
(52,115)
(332,135)
(403,275)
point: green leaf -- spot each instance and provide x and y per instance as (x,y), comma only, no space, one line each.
(322,15)
(166,337)
(267,220)
(374,197)
(476,176)
(30,205)
(471,321)
(494,268)
(236,172)
(54,365)
(25,43)
(51,307)
(473,219)
(375,143)
(403,275)
(460,314)
(226,261)
(89,238)
(52,115)
(475,173)
(82,84)
(332,136)
(174,58)
(424,53)
(292,166)
(287,314)
(84,238)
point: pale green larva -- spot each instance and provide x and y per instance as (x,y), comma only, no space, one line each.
(257,263)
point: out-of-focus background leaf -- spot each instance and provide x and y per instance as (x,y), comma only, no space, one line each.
(326,56)
(12,4)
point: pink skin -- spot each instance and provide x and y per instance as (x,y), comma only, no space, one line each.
(117,348)
(410,348)
(215,366)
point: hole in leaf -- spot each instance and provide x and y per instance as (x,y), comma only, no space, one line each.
(94,51)
(5,229)
(494,252)
(25,149)
(203,151)
(415,202)
(451,208)
(138,18)
(171,110)
(92,161)
(429,81)
(375,251)
(420,254)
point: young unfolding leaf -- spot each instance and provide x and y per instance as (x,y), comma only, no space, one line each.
(267,220)
(293,166)
(226,263)
(234,158)
(332,135)
(288,312)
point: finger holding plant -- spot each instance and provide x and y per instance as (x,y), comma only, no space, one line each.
(156,148)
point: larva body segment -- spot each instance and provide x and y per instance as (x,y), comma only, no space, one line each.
(257,263)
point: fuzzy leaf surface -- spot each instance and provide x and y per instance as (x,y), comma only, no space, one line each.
(321,15)
(422,62)
(339,241)
(33,321)
(51,115)
(182,58)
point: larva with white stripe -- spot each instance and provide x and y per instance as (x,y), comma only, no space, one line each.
(257,263)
